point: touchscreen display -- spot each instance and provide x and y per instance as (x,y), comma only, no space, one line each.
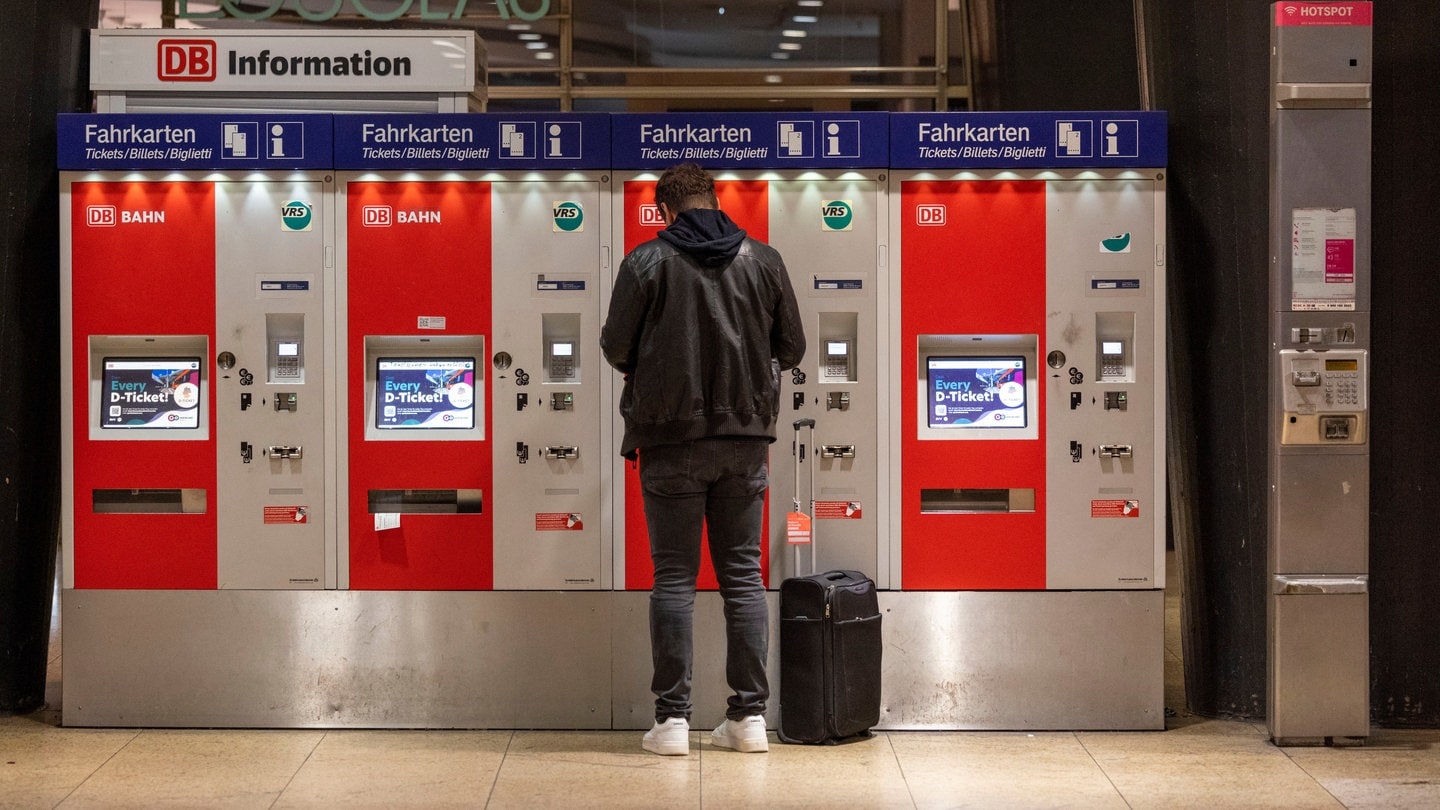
(150,392)
(431,393)
(976,392)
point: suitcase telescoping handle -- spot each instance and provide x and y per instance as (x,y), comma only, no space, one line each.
(799,449)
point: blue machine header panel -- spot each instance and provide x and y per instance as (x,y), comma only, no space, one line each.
(1028,140)
(494,141)
(841,140)
(224,141)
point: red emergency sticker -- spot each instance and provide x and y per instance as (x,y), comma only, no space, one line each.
(1115,509)
(287,514)
(837,510)
(558,522)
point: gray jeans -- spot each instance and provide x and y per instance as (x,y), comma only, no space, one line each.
(719,484)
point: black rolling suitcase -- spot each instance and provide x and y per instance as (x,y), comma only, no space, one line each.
(829,644)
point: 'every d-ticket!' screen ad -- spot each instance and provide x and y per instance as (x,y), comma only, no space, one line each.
(151,393)
(976,392)
(436,393)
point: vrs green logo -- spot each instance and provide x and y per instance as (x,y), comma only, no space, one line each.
(568,217)
(296,215)
(837,215)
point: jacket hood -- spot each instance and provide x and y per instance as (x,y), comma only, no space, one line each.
(708,234)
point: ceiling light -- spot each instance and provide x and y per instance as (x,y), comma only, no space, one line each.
(526,26)
(535,46)
(528,37)
(789,46)
(773,78)
(793,32)
(803,19)
(810,3)
(779,55)
(545,55)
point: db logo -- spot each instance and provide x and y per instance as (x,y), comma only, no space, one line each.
(377,216)
(100,216)
(929,215)
(186,60)
(650,216)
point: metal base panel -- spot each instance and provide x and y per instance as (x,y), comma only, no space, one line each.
(382,659)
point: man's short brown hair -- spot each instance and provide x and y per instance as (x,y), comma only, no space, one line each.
(684,187)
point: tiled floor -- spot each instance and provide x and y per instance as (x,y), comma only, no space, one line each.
(1194,762)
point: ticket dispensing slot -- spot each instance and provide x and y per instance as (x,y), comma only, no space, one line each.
(149,501)
(974,500)
(426,501)
(1325,397)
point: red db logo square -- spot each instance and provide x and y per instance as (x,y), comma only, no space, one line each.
(377,216)
(185,60)
(929,215)
(650,216)
(100,216)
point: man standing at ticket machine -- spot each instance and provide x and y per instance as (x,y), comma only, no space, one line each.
(702,321)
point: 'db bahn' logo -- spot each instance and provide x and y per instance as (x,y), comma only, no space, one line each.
(295,215)
(568,217)
(837,215)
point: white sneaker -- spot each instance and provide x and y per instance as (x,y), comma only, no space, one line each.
(746,736)
(669,739)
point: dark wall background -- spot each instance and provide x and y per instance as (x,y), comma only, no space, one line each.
(41,57)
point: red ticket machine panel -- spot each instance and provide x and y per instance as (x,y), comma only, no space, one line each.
(418,417)
(747,202)
(972,438)
(142,307)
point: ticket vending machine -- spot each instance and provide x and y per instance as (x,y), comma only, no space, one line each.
(811,186)
(197,349)
(1027,449)
(1318,616)
(473,383)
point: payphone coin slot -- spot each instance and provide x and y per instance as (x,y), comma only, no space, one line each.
(1305,378)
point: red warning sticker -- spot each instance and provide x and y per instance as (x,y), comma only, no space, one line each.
(558,522)
(1115,509)
(287,514)
(837,510)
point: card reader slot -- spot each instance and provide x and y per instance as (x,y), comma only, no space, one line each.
(426,501)
(162,501)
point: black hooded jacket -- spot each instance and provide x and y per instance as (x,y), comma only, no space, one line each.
(702,320)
